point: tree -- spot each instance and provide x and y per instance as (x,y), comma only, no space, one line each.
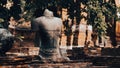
(110,14)
(73,7)
(4,14)
(77,17)
(28,9)
(98,12)
(69,5)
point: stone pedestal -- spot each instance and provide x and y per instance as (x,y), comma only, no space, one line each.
(110,51)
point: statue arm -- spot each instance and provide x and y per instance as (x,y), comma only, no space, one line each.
(60,28)
(34,25)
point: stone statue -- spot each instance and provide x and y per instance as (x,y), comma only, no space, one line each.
(6,41)
(49,31)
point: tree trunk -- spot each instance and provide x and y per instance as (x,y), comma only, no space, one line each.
(77,15)
(113,33)
(86,33)
(68,40)
(75,38)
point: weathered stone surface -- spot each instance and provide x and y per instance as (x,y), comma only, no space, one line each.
(23,51)
(110,51)
(50,65)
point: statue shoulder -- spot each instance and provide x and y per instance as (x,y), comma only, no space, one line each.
(58,19)
(38,19)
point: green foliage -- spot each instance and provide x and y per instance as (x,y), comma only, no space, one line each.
(28,9)
(97,11)
(118,10)
(4,13)
(109,9)
(68,32)
(1,20)
(67,27)
(100,24)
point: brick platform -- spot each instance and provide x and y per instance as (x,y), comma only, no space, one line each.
(50,65)
(23,51)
